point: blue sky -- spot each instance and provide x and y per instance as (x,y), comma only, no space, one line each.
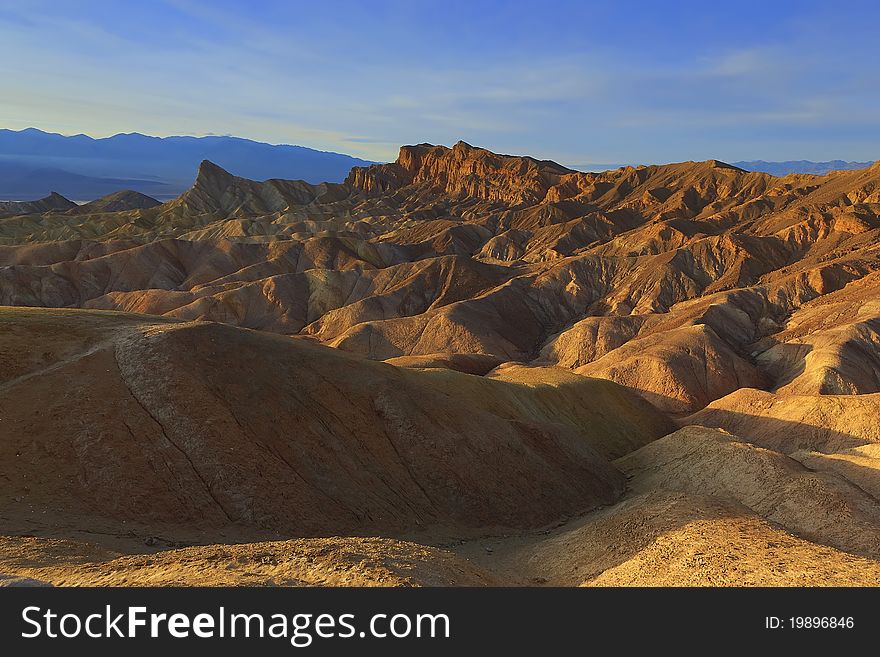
(578,82)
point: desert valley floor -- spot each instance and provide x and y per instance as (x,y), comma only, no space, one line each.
(460,368)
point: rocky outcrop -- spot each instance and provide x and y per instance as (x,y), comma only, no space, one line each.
(463,172)
(218,192)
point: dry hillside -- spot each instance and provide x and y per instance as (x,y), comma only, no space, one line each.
(457,368)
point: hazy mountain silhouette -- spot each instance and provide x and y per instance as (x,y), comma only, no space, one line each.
(800,166)
(34,163)
(23,182)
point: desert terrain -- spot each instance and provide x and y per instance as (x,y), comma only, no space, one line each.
(459,368)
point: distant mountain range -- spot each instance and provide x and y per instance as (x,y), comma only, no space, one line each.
(773,168)
(800,166)
(34,163)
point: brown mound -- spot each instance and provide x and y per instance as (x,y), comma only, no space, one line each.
(678,371)
(118,202)
(52,202)
(178,424)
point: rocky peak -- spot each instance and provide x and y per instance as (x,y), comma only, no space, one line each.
(463,171)
(55,197)
(718,164)
(216,191)
(211,174)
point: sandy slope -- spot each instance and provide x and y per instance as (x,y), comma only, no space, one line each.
(301,562)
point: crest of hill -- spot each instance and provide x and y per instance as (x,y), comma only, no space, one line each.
(120,201)
(216,191)
(465,171)
(53,202)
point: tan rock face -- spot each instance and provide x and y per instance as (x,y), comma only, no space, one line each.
(464,172)
(536,324)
